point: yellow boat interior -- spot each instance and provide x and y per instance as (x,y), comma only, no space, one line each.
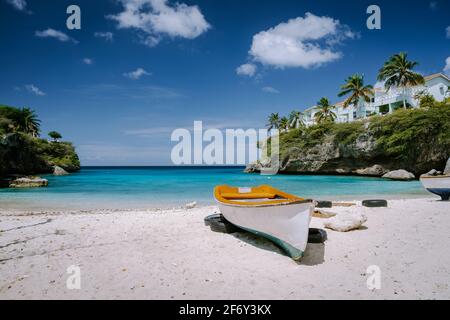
(255,196)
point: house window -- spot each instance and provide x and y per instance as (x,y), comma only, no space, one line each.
(442,90)
(354,114)
(384,109)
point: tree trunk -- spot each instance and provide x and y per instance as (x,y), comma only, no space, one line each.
(404,98)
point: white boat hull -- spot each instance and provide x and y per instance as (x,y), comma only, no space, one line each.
(439,185)
(285,224)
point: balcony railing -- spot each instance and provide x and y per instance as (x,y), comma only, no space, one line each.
(396,95)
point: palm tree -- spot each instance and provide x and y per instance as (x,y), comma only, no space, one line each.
(273,121)
(295,119)
(354,85)
(397,72)
(325,111)
(284,123)
(26,121)
(54,135)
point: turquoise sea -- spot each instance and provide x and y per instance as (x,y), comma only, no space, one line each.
(150,187)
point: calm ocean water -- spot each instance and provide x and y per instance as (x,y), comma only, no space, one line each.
(149,187)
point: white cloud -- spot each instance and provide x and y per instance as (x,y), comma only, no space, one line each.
(33,89)
(156,18)
(447,31)
(150,132)
(20,5)
(88,61)
(304,42)
(447,66)
(208,123)
(270,90)
(114,154)
(108,36)
(136,74)
(52,33)
(150,41)
(247,69)
(107,92)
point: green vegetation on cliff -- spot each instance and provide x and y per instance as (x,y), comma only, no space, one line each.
(417,140)
(23,152)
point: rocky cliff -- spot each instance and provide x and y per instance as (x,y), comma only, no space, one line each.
(416,140)
(24,155)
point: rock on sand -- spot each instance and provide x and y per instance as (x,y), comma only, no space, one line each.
(401,174)
(345,222)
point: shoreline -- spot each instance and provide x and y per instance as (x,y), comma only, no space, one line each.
(150,255)
(31,209)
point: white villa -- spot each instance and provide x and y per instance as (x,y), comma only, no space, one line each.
(384,102)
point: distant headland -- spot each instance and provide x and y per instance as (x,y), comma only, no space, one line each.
(23,152)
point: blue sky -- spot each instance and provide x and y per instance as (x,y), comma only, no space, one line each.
(138,69)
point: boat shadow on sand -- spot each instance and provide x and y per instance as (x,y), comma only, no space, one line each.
(314,253)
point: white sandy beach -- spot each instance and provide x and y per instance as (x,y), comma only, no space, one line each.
(172,255)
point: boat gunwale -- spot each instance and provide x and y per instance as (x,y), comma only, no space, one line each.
(257,205)
(435,177)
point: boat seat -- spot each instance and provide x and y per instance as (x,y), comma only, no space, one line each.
(250,195)
(263,195)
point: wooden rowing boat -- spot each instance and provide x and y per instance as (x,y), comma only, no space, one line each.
(278,216)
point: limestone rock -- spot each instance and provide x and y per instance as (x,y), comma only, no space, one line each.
(447,167)
(58,171)
(322,214)
(333,151)
(28,182)
(375,171)
(401,175)
(432,173)
(345,222)
(253,167)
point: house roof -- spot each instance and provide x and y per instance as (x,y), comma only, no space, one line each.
(339,104)
(436,75)
(310,108)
